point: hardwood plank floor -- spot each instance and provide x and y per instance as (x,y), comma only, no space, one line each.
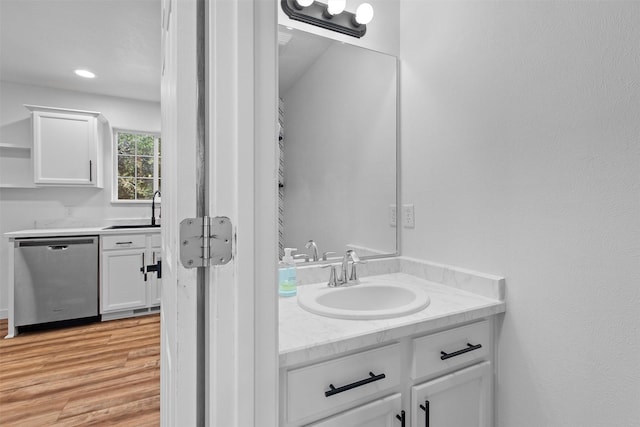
(104,373)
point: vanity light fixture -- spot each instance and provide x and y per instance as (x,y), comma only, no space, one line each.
(85,73)
(330,16)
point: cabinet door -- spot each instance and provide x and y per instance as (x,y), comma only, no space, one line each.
(65,147)
(460,399)
(123,285)
(154,283)
(385,412)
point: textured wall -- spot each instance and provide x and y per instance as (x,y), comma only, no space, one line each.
(521,152)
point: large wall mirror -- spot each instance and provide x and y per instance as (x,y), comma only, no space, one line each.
(338,119)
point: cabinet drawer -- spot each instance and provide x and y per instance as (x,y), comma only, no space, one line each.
(125,241)
(439,352)
(346,380)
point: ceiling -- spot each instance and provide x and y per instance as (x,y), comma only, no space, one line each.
(43,41)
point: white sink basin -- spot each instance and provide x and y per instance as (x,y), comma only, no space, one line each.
(369,299)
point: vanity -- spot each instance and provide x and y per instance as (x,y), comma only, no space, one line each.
(412,344)
(434,367)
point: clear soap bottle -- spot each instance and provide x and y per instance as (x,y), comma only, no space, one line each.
(287,274)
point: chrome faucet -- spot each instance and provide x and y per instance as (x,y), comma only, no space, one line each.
(312,245)
(153,207)
(346,276)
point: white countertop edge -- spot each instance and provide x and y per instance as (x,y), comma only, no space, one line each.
(85,231)
(303,355)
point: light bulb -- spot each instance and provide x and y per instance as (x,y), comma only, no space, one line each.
(85,73)
(364,14)
(304,3)
(335,7)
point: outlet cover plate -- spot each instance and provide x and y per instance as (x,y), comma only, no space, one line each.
(408,216)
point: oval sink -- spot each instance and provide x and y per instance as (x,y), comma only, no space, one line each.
(367,300)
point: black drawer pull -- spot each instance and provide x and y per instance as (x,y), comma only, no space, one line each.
(425,408)
(401,418)
(372,377)
(470,347)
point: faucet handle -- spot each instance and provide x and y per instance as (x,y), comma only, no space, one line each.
(333,276)
(305,256)
(325,254)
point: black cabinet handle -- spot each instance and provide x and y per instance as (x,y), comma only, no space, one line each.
(470,347)
(401,418)
(372,377)
(157,268)
(90,171)
(143,269)
(425,408)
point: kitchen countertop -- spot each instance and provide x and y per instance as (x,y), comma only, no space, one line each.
(305,337)
(78,231)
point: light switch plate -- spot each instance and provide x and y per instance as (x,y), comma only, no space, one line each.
(408,216)
(392,215)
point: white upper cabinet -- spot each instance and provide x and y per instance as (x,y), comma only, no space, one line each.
(67,147)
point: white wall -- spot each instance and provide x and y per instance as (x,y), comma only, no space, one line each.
(340,171)
(382,33)
(21,208)
(521,152)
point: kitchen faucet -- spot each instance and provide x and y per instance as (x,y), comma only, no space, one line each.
(153,207)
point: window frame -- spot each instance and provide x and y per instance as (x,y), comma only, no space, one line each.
(114,165)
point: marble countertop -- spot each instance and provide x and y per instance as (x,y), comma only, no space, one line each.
(305,337)
(76,231)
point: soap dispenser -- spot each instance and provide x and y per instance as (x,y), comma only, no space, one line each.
(287,274)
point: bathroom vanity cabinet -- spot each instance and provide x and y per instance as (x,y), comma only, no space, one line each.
(441,378)
(128,287)
(67,147)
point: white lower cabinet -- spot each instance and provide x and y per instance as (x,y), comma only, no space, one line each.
(127,287)
(385,412)
(448,373)
(123,285)
(460,399)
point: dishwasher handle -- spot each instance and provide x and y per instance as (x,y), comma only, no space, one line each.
(58,247)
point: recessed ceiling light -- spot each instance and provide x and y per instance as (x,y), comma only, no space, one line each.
(85,73)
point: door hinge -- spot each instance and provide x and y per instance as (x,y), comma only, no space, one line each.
(205,241)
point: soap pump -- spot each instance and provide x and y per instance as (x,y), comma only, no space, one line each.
(287,274)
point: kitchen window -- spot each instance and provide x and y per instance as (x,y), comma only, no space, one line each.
(137,166)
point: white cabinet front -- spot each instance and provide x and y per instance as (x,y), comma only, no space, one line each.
(123,284)
(385,412)
(66,147)
(460,399)
(154,285)
(131,264)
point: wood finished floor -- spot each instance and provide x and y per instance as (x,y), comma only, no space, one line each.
(99,374)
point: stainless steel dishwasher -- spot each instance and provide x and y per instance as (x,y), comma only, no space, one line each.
(55,279)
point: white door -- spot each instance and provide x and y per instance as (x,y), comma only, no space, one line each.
(234,353)
(178,322)
(123,284)
(459,399)
(385,412)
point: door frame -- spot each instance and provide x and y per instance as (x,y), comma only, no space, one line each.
(242,102)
